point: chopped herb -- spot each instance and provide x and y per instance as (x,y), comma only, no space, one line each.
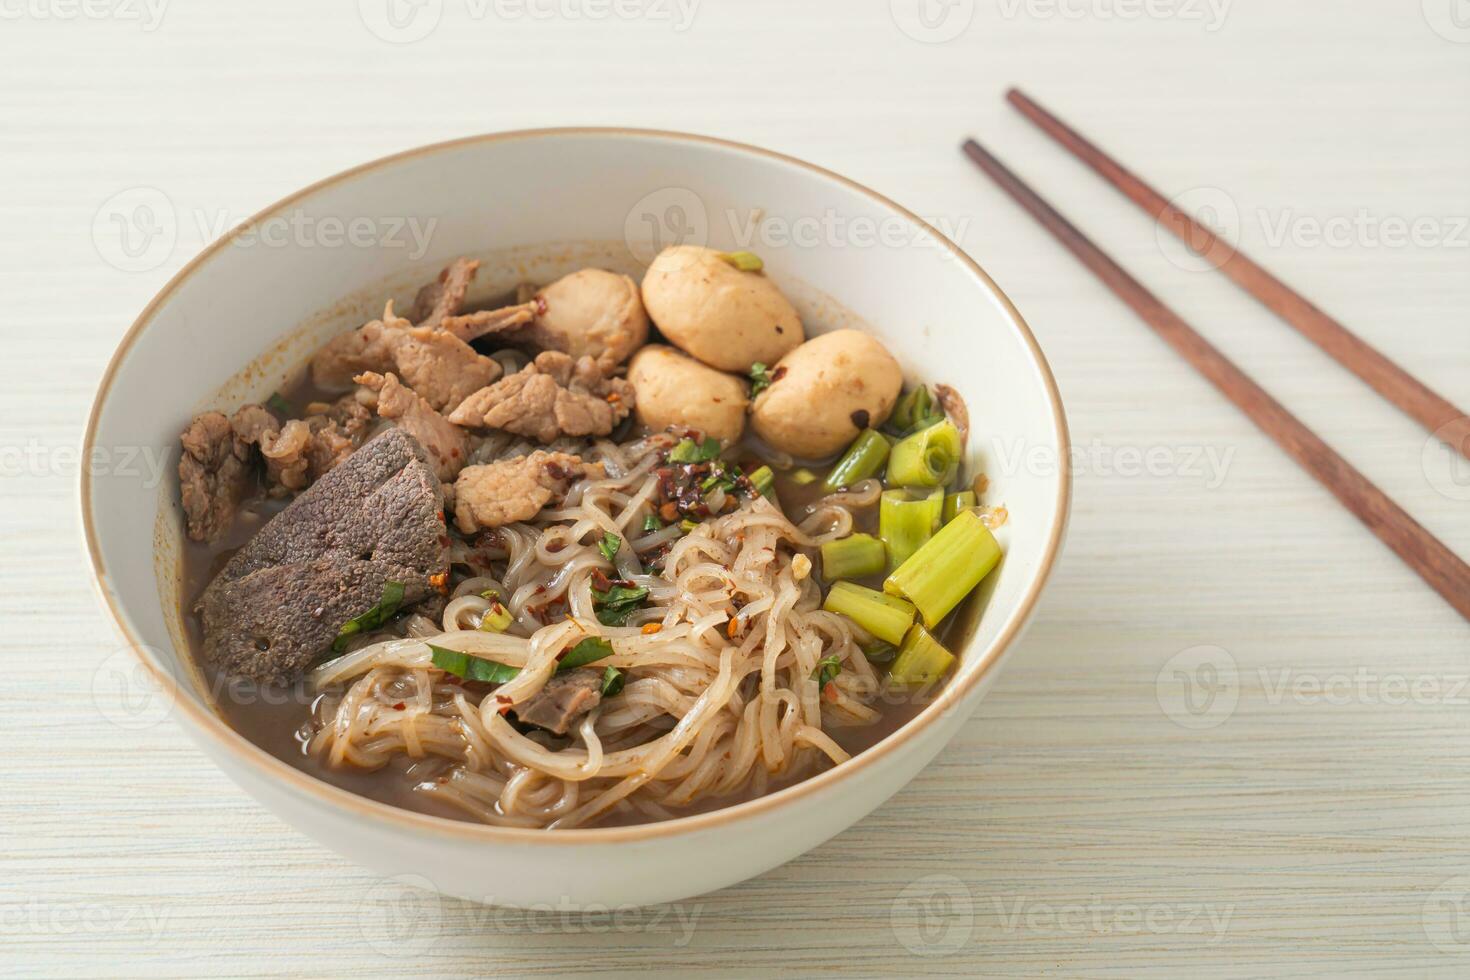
(620,595)
(652,523)
(695,474)
(688,526)
(760,378)
(744,261)
(375,617)
(277,403)
(684,451)
(609,546)
(914,412)
(489,594)
(880,652)
(764,481)
(689,451)
(590,650)
(927,422)
(612,682)
(616,603)
(827,670)
(497,618)
(451,660)
(723,481)
(472,668)
(803,476)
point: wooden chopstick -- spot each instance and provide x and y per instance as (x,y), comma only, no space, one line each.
(1435,413)
(1420,550)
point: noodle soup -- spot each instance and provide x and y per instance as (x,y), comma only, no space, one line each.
(523,566)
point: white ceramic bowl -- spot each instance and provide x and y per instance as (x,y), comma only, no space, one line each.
(533,205)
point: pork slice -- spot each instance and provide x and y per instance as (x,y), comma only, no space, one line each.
(323,560)
(216,471)
(562,701)
(512,490)
(368,348)
(484,323)
(348,413)
(282,447)
(287,464)
(336,432)
(551,397)
(328,447)
(298,452)
(442,368)
(445,295)
(524,403)
(435,363)
(447,446)
(253,423)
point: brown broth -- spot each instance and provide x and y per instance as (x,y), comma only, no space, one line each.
(272,716)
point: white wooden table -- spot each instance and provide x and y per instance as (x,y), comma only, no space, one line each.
(1313,818)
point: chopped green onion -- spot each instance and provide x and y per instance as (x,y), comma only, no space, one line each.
(803,476)
(917,404)
(760,378)
(744,261)
(947,568)
(497,618)
(277,403)
(926,422)
(684,451)
(689,451)
(906,519)
(864,458)
(884,616)
(854,556)
(880,652)
(763,480)
(956,502)
(827,670)
(928,458)
(652,523)
(688,526)
(386,609)
(489,594)
(609,546)
(721,476)
(921,660)
(614,606)
(472,668)
(590,650)
(612,682)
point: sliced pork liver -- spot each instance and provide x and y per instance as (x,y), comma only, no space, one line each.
(375,518)
(563,701)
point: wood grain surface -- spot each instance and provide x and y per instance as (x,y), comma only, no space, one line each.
(1234,741)
(1432,411)
(1430,558)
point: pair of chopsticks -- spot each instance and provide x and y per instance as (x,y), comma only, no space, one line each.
(1436,564)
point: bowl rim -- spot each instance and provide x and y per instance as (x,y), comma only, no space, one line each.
(210,724)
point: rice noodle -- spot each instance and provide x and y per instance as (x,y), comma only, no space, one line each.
(718,699)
